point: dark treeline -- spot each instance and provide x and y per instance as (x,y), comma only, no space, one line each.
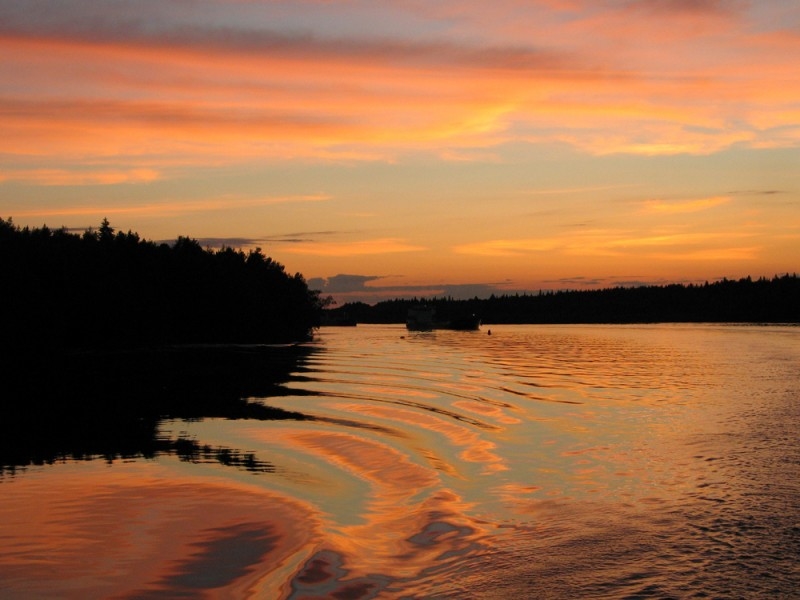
(775,300)
(107,288)
(105,334)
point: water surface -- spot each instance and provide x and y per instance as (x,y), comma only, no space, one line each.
(656,461)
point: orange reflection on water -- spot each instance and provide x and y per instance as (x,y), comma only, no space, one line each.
(487,410)
(92,532)
(407,524)
(380,391)
(405,542)
(516,496)
(409,550)
(392,475)
(477,450)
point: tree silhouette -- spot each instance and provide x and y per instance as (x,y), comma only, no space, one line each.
(775,300)
(111,288)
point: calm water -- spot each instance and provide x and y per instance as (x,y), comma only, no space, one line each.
(653,461)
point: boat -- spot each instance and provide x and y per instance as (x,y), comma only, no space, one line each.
(423,318)
(331,318)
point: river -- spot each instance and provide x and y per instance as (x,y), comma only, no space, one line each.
(638,461)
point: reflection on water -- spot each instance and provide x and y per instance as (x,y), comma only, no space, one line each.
(82,404)
(652,461)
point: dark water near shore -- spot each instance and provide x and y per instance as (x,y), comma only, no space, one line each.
(657,461)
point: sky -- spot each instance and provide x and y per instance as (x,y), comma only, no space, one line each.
(389,149)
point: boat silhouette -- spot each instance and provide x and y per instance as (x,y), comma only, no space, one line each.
(423,318)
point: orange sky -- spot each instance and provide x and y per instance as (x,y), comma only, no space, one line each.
(393,148)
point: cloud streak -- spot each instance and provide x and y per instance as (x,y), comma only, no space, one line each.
(617,243)
(156,78)
(171,209)
(61,177)
(354,248)
(684,206)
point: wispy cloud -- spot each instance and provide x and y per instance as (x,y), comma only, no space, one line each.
(508,247)
(247,243)
(343,283)
(257,80)
(50,177)
(575,190)
(756,192)
(616,243)
(171,209)
(684,206)
(353,248)
(732,254)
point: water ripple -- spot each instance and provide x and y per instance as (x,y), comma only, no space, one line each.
(654,461)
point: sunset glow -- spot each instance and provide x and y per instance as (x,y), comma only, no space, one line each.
(406,148)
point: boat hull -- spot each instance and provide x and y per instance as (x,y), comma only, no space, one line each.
(423,319)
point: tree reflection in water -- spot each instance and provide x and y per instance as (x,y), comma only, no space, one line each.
(85,405)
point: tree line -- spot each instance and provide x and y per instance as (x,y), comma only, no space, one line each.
(775,300)
(107,288)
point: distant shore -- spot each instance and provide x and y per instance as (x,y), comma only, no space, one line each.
(747,300)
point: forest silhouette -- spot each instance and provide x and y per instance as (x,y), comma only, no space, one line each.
(106,334)
(107,288)
(775,300)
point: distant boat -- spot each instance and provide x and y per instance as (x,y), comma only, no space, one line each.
(331,319)
(423,318)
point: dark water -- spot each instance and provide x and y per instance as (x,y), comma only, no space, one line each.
(653,461)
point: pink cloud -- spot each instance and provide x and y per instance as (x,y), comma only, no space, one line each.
(637,77)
